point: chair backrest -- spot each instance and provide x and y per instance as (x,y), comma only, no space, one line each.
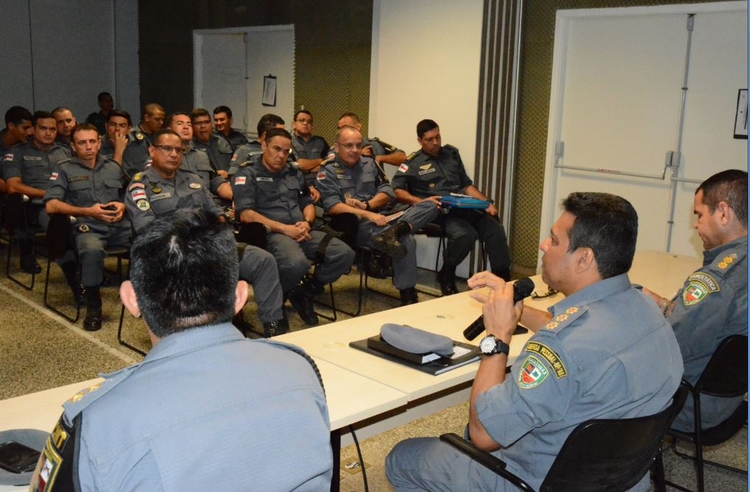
(725,374)
(611,454)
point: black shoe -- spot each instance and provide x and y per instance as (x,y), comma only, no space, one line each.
(275,327)
(409,296)
(312,287)
(30,265)
(447,283)
(374,267)
(387,242)
(302,303)
(93,320)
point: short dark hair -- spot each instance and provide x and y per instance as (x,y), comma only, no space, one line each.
(728,186)
(608,224)
(178,113)
(150,108)
(16,115)
(425,126)
(277,132)
(164,131)
(102,95)
(60,109)
(223,109)
(349,115)
(184,270)
(122,114)
(303,111)
(82,127)
(198,112)
(267,122)
(40,115)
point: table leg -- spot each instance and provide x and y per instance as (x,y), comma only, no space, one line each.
(336,449)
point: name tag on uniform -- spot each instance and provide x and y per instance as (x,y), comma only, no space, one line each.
(343,176)
(427,171)
(263,179)
(73,179)
(32,158)
(161,196)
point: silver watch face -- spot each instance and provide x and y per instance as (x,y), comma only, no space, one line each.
(488,344)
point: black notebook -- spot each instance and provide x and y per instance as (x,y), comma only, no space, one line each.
(431,363)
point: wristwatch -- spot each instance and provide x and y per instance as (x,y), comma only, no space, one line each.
(490,345)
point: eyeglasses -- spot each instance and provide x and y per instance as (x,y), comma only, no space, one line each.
(168,149)
(352,146)
(305,122)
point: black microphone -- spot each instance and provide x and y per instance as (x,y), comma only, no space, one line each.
(521,290)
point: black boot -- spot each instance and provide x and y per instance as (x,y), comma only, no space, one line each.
(409,296)
(302,303)
(93,319)
(275,327)
(70,270)
(387,241)
(447,280)
(28,259)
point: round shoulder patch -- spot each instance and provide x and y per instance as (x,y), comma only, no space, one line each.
(143,205)
(533,373)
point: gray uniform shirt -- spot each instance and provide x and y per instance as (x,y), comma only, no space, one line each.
(364,180)
(423,175)
(182,419)
(149,196)
(711,306)
(607,353)
(34,166)
(278,196)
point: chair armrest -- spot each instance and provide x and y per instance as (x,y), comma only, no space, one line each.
(490,461)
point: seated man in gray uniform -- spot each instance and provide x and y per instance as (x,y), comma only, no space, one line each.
(381,152)
(712,304)
(18,128)
(165,187)
(354,184)
(603,352)
(216,146)
(270,191)
(116,138)
(223,125)
(438,170)
(136,155)
(27,169)
(196,161)
(206,409)
(65,123)
(90,187)
(309,150)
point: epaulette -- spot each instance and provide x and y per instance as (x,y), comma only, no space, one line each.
(246,163)
(65,161)
(727,262)
(561,321)
(412,155)
(330,160)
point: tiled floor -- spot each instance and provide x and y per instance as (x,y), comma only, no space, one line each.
(39,350)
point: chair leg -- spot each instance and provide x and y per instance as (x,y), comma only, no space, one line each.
(52,308)
(657,472)
(27,286)
(119,334)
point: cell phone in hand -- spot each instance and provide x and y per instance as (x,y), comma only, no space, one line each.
(109,207)
(17,458)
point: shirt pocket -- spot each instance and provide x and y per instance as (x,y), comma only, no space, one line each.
(268,192)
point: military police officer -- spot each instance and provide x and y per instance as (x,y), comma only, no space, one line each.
(381,152)
(215,145)
(27,170)
(352,183)
(136,154)
(438,170)
(270,191)
(164,187)
(90,186)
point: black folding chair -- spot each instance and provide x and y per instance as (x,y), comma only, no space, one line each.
(15,220)
(599,455)
(725,376)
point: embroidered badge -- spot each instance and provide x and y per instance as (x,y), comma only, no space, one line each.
(8,157)
(321,175)
(727,260)
(701,284)
(143,205)
(195,186)
(551,325)
(53,176)
(51,459)
(425,167)
(83,228)
(403,168)
(138,194)
(240,180)
(533,373)
(550,356)
(136,185)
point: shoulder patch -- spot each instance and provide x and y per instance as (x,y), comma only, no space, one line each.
(564,319)
(8,157)
(240,180)
(532,373)
(700,285)
(53,176)
(143,205)
(403,168)
(550,356)
(136,185)
(321,175)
